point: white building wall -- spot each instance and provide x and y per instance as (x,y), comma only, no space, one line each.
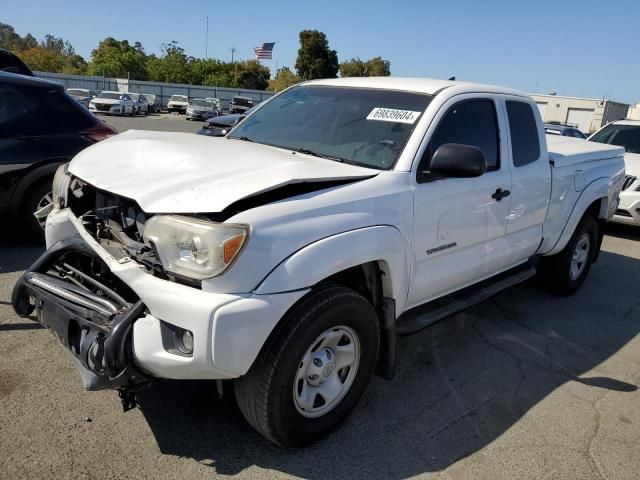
(555,108)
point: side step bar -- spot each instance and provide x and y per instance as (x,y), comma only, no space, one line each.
(424,315)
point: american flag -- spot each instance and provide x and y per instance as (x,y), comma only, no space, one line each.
(263,52)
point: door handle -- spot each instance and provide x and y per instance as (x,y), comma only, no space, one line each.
(499,194)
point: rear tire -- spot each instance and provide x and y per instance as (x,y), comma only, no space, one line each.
(565,272)
(314,368)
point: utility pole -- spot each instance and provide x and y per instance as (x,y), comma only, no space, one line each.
(206,52)
(233,50)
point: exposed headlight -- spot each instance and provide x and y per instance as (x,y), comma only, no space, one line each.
(195,248)
(60,187)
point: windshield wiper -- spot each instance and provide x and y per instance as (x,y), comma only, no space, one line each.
(306,151)
(244,139)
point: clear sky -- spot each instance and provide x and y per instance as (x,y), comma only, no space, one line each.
(573,47)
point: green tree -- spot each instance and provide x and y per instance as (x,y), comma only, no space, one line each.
(173,66)
(315,58)
(117,58)
(10,40)
(252,75)
(375,67)
(284,79)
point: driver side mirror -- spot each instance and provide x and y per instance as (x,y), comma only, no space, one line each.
(455,160)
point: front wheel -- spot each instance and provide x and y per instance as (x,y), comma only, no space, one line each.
(313,370)
(564,272)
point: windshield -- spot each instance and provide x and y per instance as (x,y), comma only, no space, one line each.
(200,103)
(78,93)
(178,98)
(134,96)
(111,95)
(355,125)
(627,136)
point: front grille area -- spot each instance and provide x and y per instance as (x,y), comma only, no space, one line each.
(116,222)
(628,181)
(102,107)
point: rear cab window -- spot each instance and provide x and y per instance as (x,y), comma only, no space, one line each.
(525,140)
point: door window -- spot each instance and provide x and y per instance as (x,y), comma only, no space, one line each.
(471,122)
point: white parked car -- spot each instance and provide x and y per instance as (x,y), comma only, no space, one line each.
(114,103)
(178,103)
(288,255)
(625,133)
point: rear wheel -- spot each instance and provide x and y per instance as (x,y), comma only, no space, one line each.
(564,272)
(313,370)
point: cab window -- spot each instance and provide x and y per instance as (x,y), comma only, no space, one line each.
(471,122)
(525,143)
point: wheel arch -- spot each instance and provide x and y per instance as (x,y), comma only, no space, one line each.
(373,261)
(36,174)
(596,201)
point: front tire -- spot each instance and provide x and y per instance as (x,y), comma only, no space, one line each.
(565,272)
(313,370)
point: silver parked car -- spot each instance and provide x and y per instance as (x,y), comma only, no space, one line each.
(154,102)
(141,107)
(199,109)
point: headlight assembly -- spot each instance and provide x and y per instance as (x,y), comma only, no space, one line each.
(192,247)
(60,187)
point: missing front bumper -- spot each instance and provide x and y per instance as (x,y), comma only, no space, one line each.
(91,320)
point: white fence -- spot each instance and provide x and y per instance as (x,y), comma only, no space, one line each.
(164,90)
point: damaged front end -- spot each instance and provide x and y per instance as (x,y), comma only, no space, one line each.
(90,311)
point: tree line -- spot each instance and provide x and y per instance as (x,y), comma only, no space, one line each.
(119,58)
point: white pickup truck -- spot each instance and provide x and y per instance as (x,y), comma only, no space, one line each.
(289,255)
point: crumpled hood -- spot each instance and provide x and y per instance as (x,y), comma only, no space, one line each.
(632,164)
(187,173)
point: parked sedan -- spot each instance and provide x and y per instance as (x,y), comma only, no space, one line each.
(41,127)
(154,102)
(200,109)
(82,95)
(217,104)
(115,103)
(178,103)
(140,104)
(220,126)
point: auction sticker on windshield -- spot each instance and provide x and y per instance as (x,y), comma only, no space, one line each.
(393,115)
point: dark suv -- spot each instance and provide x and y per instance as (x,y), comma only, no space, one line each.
(41,127)
(240,104)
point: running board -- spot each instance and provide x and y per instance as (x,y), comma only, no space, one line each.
(424,315)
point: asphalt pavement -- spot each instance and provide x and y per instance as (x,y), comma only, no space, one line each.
(524,385)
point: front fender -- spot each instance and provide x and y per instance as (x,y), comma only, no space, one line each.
(323,258)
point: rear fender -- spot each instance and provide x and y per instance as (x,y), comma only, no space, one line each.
(601,189)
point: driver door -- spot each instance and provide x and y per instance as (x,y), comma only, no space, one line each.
(460,223)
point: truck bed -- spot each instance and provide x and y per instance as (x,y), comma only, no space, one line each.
(565,151)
